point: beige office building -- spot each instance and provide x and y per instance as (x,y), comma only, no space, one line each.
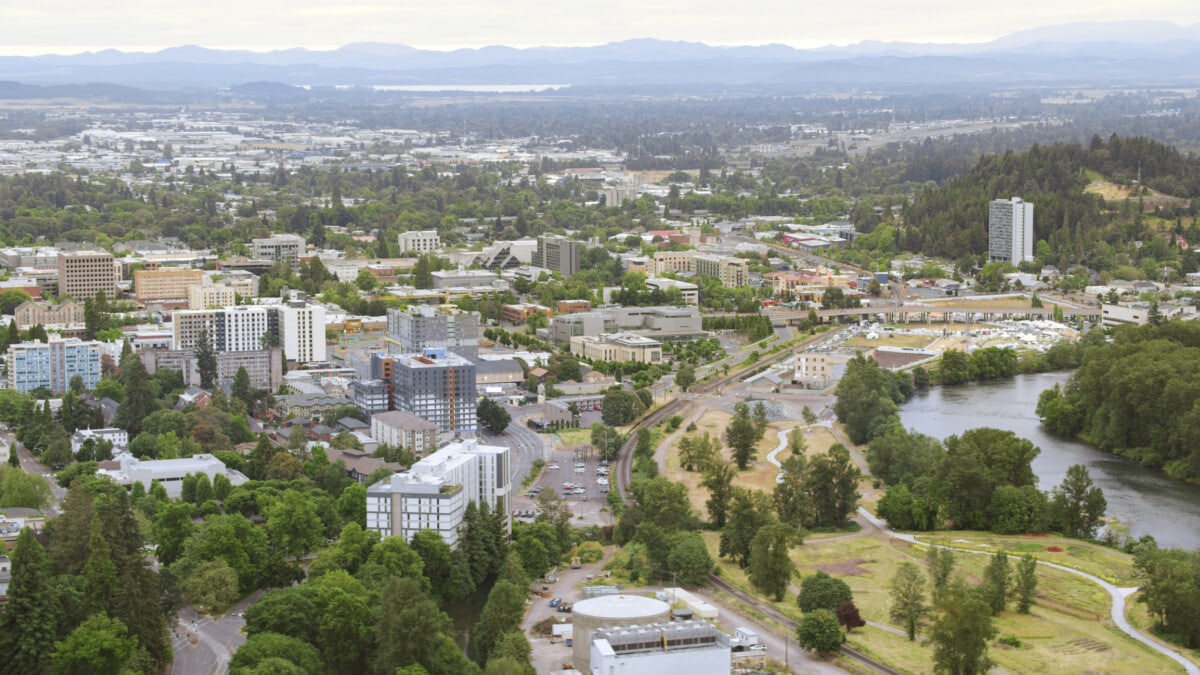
(82,274)
(164,285)
(673,261)
(732,272)
(211,296)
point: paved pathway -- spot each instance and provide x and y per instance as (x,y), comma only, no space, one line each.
(1118,594)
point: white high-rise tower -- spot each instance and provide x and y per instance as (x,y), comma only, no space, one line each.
(1010,230)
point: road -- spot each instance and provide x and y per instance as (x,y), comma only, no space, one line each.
(30,464)
(204,646)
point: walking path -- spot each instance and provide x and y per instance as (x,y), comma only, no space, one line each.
(1119,594)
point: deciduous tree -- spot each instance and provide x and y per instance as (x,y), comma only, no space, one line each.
(908,599)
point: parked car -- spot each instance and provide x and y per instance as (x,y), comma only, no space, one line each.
(564,608)
(552,466)
(556,602)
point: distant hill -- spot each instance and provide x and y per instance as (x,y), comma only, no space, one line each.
(1099,53)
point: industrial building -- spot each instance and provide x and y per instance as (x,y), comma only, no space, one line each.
(679,648)
(607,612)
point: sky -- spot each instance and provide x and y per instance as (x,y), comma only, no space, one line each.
(72,26)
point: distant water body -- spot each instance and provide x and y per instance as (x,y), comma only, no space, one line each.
(1145,500)
(472,88)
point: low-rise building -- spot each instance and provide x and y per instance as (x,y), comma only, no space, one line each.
(167,472)
(732,272)
(815,370)
(65,316)
(519,313)
(309,405)
(572,306)
(677,648)
(434,492)
(118,437)
(419,241)
(688,291)
(400,429)
(619,347)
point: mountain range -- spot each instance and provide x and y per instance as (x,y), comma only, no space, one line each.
(1117,53)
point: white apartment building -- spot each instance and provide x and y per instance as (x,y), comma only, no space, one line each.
(279,247)
(118,437)
(230,329)
(1010,230)
(419,241)
(302,331)
(53,364)
(433,494)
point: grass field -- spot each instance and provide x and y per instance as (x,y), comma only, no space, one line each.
(891,340)
(1109,564)
(1067,632)
(759,475)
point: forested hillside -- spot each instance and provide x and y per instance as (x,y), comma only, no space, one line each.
(951,220)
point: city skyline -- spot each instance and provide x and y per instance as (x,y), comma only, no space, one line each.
(70,26)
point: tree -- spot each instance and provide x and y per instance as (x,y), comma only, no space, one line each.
(210,584)
(696,453)
(741,435)
(139,400)
(685,377)
(99,572)
(867,398)
(492,415)
(293,524)
(997,583)
(345,636)
(28,625)
(819,631)
(241,388)
(423,273)
(503,611)
(809,417)
(206,360)
(23,490)
(939,562)
(831,483)
(689,559)
(718,480)
(1027,582)
(821,591)
(1077,505)
(770,567)
(409,623)
(908,599)
(620,407)
(760,420)
(960,631)
(98,645)
(976,463)
(750,512)
(11,298)
(366,281)
(263,647)
(848,617)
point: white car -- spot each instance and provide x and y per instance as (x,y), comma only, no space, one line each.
(601,481)
(552,466)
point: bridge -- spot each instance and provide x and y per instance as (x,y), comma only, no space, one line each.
(931,313)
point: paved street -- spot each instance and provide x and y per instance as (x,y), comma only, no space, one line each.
(204,646)
(29,464)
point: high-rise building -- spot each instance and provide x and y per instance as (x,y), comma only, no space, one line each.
(302,331)
(81,274)
(295,326)
(279,247)
(165,285)
(436,385)
(53,364)
(558,254)
(419,241)
(1010,230)
(420,327)
(433,494)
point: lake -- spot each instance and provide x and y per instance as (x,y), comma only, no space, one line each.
(1145,500)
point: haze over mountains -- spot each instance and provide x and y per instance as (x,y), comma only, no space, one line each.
(1122,53)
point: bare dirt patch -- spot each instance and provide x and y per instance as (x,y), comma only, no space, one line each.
(846,567)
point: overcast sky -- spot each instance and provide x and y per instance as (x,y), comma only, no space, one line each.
(69,26)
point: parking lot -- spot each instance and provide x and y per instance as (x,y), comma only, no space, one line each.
(582,481)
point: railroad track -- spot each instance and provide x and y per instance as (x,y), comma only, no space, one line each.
(789,624)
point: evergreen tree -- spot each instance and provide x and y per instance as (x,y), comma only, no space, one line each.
(139,399)
(100,572)
(770,567)
(1026,583)
(741,435)
(28,626)
(206,361)
(241,388)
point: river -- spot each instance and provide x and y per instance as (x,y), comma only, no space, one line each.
(1145,500)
